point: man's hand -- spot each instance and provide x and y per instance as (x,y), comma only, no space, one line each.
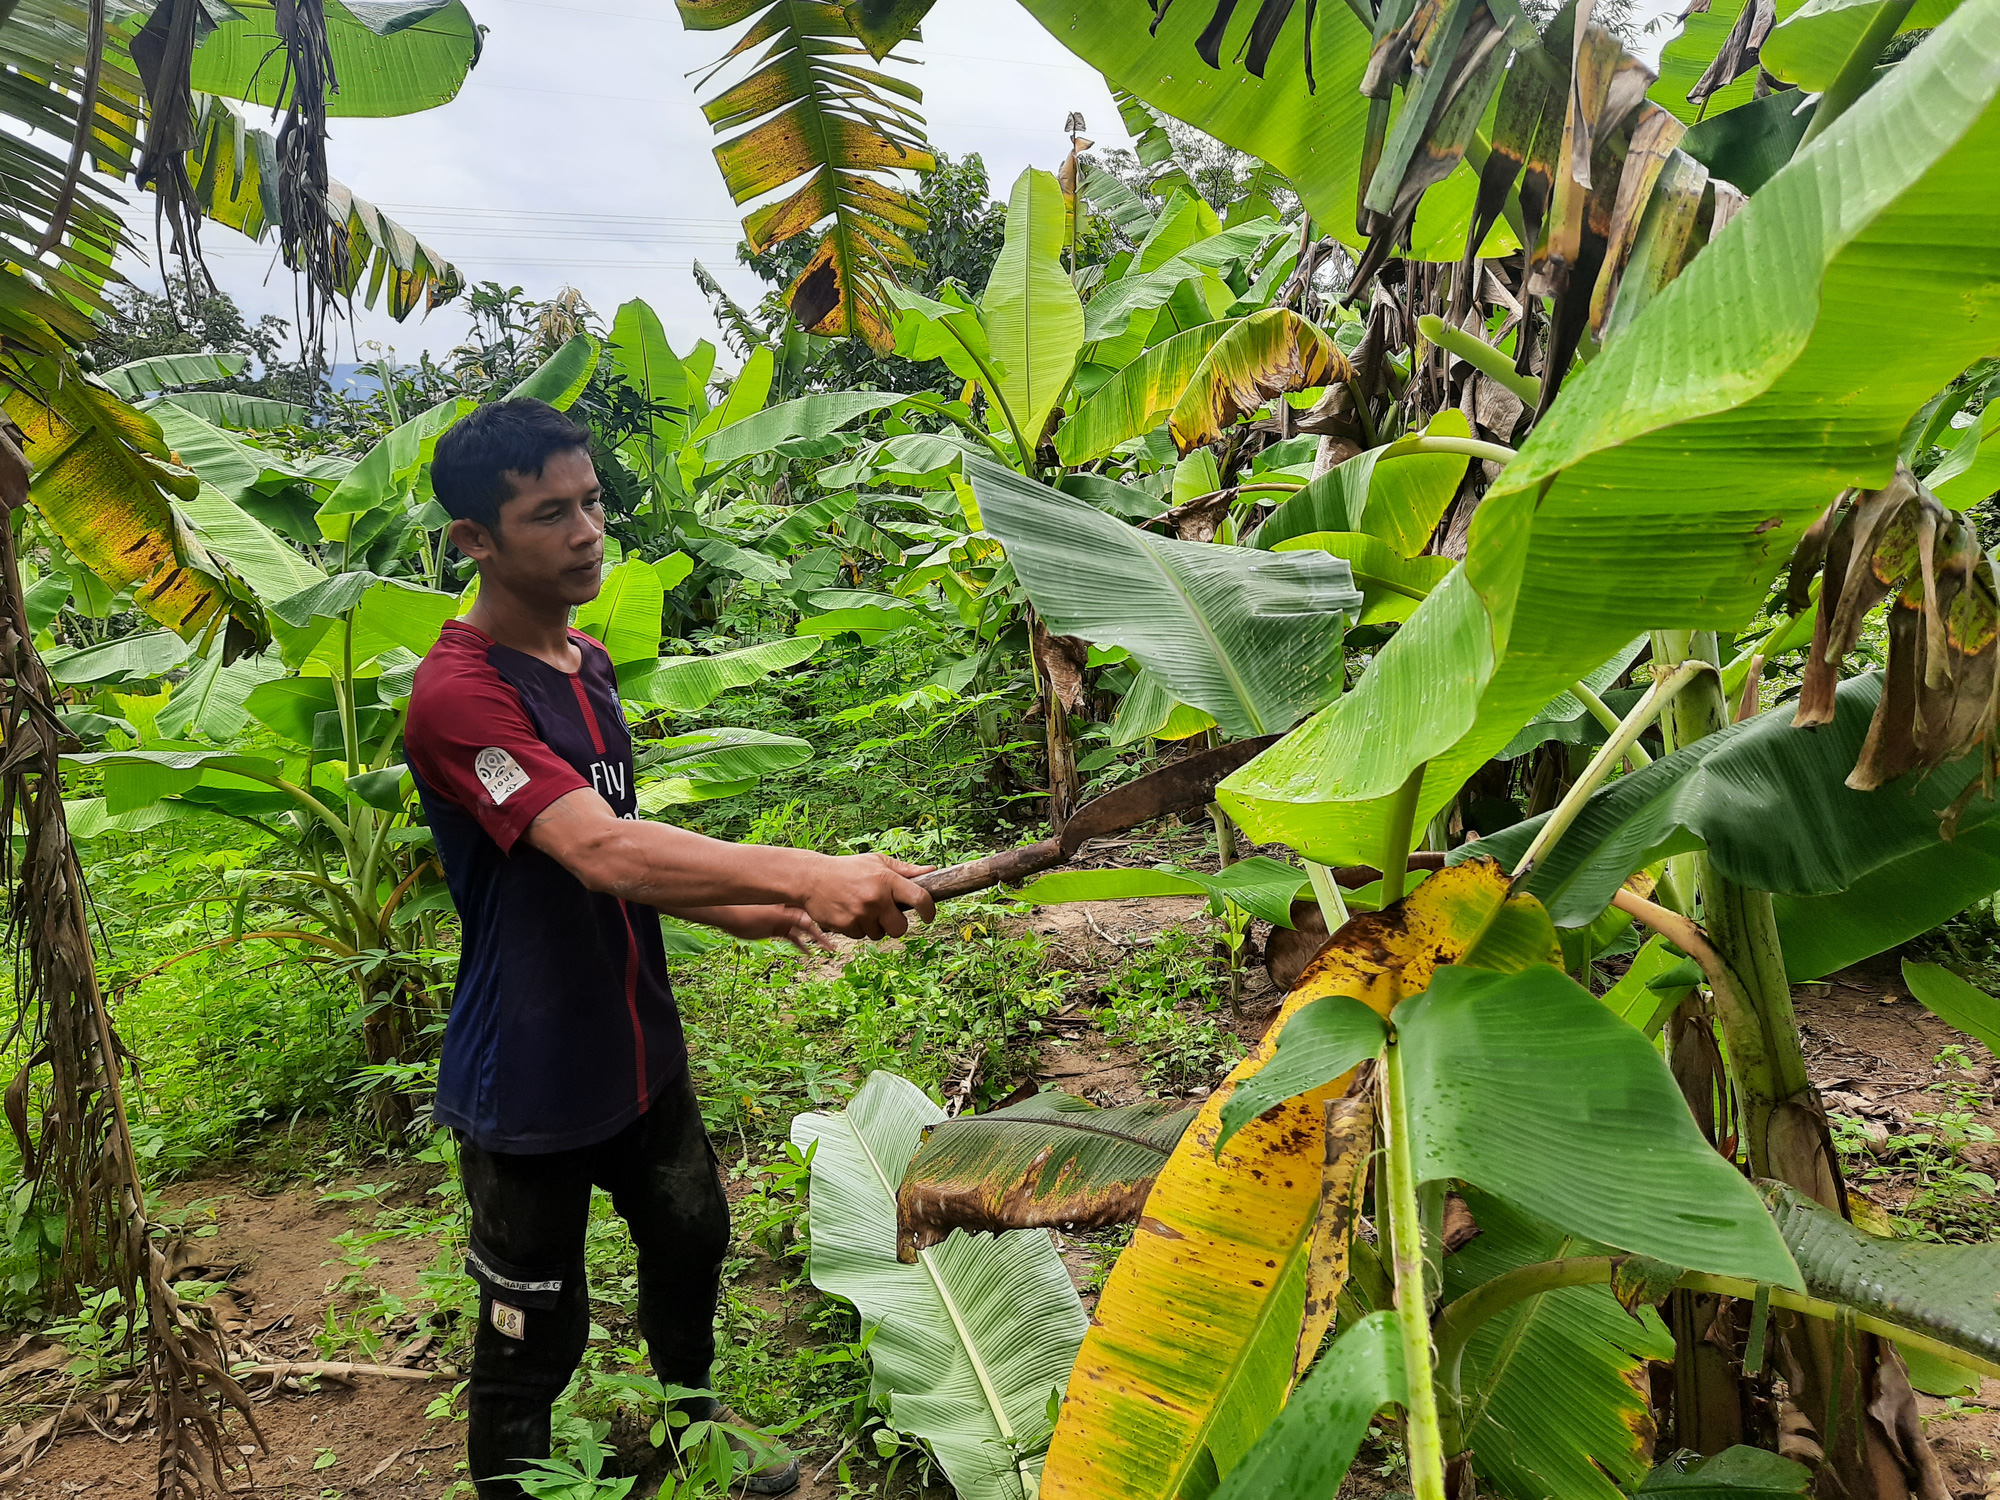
(756,923)
(867,895)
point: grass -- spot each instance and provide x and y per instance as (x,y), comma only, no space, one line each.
(1923,1167)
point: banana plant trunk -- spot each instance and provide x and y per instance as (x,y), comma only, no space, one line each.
(1848,1384)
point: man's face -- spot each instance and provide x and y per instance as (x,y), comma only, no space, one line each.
(550,545)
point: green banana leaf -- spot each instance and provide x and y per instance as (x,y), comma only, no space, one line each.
(1392,586)
(128,658)
(1052,1161)
(138,778)
(1565,719)
(1252,638)
(1148,711)
(625,616)
(1032,315)
(807,417)
(1770,804)
(209,700)
(234,410)
(970,1342)
(1811,45)
(1548,1403)
(1498,1066)
(712,763)
(1955,1002)
(261,557)
(392,57)
(562,377)
(1314,137)
(1137,398)
(1737,1473)
(1310,1445)
(387,613)
(1262,886)
(866,615)
(291,706)
(142,377)
(1326,1040)
(1399,500)
(391,465)
(1658,492)
(1945,1291)
(684,684)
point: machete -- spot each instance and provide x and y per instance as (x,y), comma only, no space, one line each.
(1180,787)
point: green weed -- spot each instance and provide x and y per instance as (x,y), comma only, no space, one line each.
(1157,1003)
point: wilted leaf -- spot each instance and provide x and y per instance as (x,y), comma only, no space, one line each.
(1266,354)
(1052,1161)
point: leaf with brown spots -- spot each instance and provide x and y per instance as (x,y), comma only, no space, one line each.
(1267,354)
(102,483)
(1053,1161)
(1193,1345)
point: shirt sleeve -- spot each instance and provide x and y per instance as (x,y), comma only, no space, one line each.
(472,742)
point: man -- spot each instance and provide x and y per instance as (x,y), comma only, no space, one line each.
(563,1063)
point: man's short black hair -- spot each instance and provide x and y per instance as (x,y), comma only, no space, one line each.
(470,468)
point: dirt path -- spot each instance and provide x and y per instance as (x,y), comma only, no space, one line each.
(1871,1048)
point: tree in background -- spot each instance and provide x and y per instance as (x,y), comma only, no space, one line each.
(188,319)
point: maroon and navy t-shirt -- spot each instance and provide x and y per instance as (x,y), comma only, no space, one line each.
(562,1027)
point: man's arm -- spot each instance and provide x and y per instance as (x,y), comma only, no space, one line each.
(658,865)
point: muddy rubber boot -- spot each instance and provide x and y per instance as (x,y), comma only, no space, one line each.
(777,1477)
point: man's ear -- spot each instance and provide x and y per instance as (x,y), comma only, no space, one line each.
(473,539)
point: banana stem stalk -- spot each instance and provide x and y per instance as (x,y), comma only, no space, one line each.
(1421,1438)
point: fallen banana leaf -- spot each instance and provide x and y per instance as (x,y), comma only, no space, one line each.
(1184,785)
(1053,1161)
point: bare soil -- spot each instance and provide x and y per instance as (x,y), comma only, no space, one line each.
(1870,1046)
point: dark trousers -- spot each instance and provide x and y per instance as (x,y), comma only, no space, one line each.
(529,1216)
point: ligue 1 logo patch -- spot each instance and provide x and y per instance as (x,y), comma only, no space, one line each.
(500,773)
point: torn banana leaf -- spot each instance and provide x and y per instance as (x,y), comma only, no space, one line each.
(1668,485)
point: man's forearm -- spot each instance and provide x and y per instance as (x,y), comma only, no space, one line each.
(672,869)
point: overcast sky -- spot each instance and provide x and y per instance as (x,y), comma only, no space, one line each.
(576,155)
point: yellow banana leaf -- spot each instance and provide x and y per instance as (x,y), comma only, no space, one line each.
(1191,1351)
(101,482)
(1265,355)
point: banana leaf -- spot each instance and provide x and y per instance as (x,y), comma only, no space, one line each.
(1771,805)
(806,417)
(687,683)
(1657,493)
(1262,886)
(807,109)
(1391,586)
(101,482)
(1267,354)
(1944,1291)
(392,57)
(1952,1000)
(1052,1161)
(1550,1391)
(1138,397)
(1309,1447)
(625,616)
(143,377)
(239,412)
(1031,313)
(1810,46)
(1499,1065)
(1399,500)
(712,763)
(1314,136)
(1252,638)
(562,377)
(1190,1352)
(968,1344)
(1738,1473)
